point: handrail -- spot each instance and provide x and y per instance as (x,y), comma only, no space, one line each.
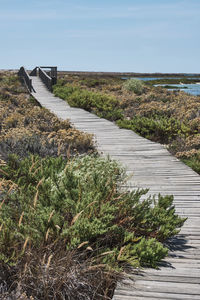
(49,81)
(52,73)
(34,72)
(46,79)
(23,74)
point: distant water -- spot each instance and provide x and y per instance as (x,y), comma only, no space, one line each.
(157,78)
(192,89)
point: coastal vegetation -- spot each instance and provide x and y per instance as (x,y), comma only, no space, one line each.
(169,117)
(67,228)
(105,106)
(28,128)
(167,81)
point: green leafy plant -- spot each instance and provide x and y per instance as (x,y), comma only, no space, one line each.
(193,162)
(134,85)
(78,202)
(105,106)
(156,128)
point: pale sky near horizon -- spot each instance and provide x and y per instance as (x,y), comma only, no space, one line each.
(103,35)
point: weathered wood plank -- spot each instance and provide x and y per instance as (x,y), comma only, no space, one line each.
(127,295)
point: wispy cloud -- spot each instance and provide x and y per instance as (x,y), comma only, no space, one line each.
(27,16)
(53,11)
(154,31)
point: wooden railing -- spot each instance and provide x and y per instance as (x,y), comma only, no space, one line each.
(24,76)
(34,72)
(46,79)
(52,73)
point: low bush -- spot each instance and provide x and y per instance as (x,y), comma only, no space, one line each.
(27,128)
(156,128)
(105,106)
(134,85)
(63,142)
(193,161)
(78,205)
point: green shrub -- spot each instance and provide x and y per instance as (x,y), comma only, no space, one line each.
(156,128)
(193,162)
(105,106)
(134,85)
(79,203)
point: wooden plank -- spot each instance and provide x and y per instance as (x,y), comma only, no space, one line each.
(170,287)
(136,294)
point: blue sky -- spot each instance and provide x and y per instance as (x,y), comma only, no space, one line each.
(103,35)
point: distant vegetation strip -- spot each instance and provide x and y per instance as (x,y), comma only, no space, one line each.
(67,230)
(169,117)
(167,81)
(175,87)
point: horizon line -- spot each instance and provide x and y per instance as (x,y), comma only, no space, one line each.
(109,72)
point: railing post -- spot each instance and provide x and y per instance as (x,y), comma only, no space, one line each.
(34,72)
(49,81)
(26,79)
(46,79)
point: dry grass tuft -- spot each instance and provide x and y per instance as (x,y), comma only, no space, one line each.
(56,274)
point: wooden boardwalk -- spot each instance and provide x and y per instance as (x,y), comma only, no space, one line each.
(152,167)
